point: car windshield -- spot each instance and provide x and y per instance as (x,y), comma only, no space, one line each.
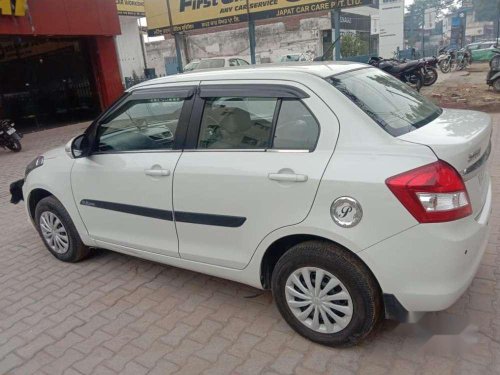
(191,66)
(211,63)
(392,104)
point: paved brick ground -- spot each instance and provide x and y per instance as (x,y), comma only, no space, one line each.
(116,314)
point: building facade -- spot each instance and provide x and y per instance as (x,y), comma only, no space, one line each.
(58,60)
(310,34)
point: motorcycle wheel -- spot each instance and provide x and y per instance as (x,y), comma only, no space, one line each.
(496,85)
(415,80)
(431,76)
(14,145)
(444,66)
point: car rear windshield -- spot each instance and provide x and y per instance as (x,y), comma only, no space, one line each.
(392,104)
(212,63)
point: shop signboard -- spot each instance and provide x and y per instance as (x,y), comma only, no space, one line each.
(198,14)
(13,8)
(130,8)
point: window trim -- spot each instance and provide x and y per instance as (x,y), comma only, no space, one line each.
(252,90)
(182,92)
(194,128)
(296,149)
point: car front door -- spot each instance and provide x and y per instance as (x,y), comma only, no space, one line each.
(123,190)
(252,164)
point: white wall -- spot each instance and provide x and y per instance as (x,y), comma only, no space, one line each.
(391,27)
(129,48)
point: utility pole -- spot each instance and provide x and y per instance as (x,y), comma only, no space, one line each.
(423,33)
(177,39)
(251,35)
(335,21)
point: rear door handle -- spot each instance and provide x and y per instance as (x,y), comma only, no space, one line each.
(157,172)
(290,177)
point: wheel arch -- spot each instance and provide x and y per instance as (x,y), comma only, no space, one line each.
(35,196)
(280,246)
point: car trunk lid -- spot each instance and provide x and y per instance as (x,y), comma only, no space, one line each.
(462,139)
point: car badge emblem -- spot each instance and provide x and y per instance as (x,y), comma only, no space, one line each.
(346,212)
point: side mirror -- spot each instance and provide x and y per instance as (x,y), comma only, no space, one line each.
(78,147)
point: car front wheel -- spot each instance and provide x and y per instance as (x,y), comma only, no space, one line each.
(58,231)
(326,294)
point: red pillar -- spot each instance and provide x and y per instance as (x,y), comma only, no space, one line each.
(106,69)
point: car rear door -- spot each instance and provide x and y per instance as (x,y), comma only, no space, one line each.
(123,190)
(253,162)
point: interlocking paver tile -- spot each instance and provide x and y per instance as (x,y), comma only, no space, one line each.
(114,314)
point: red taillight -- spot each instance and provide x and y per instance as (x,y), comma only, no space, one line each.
(432,193)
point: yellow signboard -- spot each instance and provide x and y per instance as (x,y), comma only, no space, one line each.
(196,14)
(13,8)
(157,17)
(130,8)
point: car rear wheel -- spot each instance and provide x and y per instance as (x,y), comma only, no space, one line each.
(58,231)
(326,294)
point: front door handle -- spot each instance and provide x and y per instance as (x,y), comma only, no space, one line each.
(289,177)
(157,172)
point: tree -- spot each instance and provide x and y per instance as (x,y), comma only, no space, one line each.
(486,10)
(353,45)
(417,10)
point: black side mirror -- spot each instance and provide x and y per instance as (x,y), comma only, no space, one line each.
(78,147)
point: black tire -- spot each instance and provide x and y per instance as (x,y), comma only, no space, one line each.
(431,76)
(351,272)
(14,145)
(445,66)
(415,80)
(76,249)
(496,85)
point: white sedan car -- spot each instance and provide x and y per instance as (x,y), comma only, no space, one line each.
(345,192)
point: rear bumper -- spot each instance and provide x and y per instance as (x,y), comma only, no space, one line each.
(429,266)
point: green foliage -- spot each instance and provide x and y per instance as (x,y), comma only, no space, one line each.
(353,45)
(418,7)
(486,10)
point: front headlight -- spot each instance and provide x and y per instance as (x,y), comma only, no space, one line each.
(35,163)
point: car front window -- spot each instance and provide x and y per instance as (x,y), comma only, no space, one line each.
(393,105)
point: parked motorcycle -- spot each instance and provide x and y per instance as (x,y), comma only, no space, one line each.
(430,71)
(410,72)
(463,59)
(447,61)
(493,77)
(9,137)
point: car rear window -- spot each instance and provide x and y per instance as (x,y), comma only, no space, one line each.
(393,105)
(212,63)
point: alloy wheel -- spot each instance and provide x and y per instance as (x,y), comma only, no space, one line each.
(319,300)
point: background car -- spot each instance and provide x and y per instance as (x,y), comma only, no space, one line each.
(191,66)
(482,51)
(294,57)
(219,62)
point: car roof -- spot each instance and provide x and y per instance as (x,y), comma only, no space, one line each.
(261,71)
